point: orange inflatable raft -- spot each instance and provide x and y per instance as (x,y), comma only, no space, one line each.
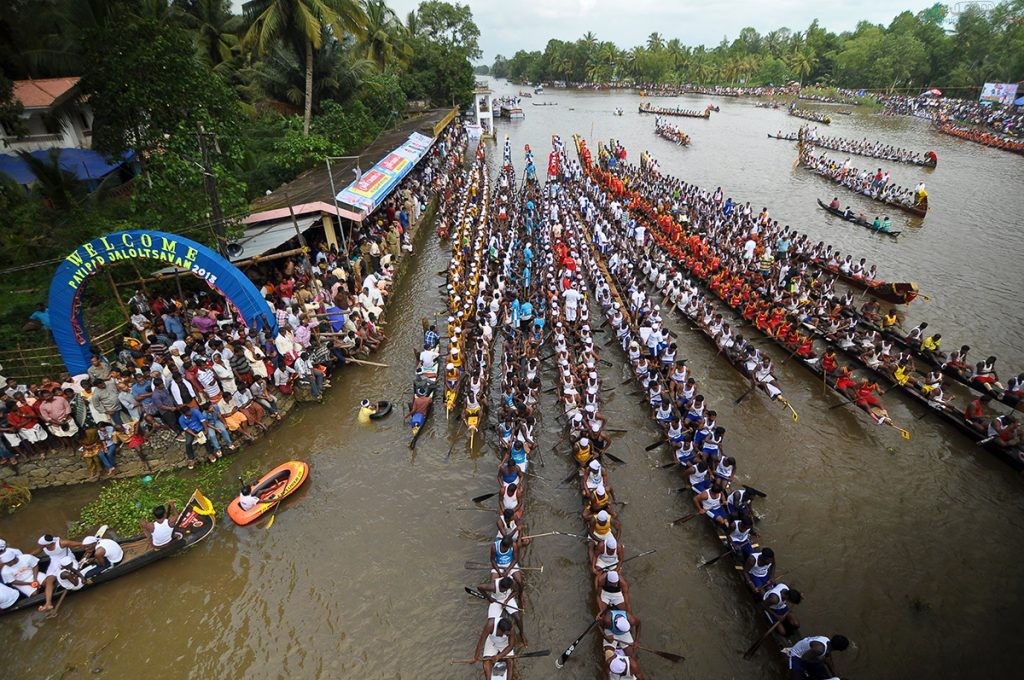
(272,488)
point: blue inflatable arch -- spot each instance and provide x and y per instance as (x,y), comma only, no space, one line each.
(72,276)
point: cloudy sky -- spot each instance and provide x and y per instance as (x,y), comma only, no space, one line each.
(510,25)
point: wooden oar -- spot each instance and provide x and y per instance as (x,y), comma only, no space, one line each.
(674,658)
(615,430)
(714,559)
(481,565)
(564,656)
(753,648)
(666,466)
(367,363)
(452,447)
(656,445)
(903,433)
(683,520)
(480,499)
(483,596)
(619,564)
(614,457)
(525,655)
(743,396)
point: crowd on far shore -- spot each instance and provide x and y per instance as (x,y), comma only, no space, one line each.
(1003,120)
(187,367)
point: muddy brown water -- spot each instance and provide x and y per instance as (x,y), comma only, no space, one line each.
(910,548)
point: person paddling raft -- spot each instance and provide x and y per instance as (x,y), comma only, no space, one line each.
(247,500)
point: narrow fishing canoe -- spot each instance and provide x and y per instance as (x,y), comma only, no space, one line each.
(272,488)
(195,523)
(853,219)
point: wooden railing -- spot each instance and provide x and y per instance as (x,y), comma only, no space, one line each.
(33,364)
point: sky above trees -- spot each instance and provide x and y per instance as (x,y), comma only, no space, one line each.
(507,27)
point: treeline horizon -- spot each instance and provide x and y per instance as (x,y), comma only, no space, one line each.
(913,52)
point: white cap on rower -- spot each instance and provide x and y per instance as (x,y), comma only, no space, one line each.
(617,665)
(591,408)
(364,403)
(3,545)
(621,624)
(43,541)
(584,441)
(594,465)
(610,543)
(613,577)
(600,491)
(90,540)
(8,555)
(449,366)
(602,516)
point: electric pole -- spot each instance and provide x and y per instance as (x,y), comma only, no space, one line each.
(210,180)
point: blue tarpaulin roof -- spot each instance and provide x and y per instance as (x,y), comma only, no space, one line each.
(1019,101)
(86,164)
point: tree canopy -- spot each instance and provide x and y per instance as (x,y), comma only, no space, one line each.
(935,47)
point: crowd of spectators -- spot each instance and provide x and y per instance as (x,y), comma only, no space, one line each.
(1003,120)
(188,369)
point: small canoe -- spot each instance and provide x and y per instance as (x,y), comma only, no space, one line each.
(195,523)
(853,219)
(272,488)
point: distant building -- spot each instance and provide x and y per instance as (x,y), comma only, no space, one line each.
(55,117)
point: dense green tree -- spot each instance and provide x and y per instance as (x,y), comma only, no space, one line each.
(449,25)
(302,24)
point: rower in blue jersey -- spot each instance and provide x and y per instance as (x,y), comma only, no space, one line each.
(516,310)
(518,455)
(886,223)
(508,474)
(759,567)
(526,316)
(503,556)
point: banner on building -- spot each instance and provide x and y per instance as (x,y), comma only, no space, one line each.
(370,190)
(999,93)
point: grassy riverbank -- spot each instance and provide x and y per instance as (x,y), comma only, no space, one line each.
(123,502)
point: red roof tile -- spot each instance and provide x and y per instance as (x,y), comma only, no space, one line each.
(35,94)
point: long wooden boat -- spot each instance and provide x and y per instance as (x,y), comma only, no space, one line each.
(912,209)
(578,354)
(684,113)
(851,148)
(195,523)
(785,138)
(673,134)
(853,219)
(898,293)
(980,137)
(901,342)
(810,115)
(954,417)
(760,611)
(812,364)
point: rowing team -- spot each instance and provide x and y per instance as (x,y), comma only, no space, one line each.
(21,575)
(670,132)
(698,448)
(580,391)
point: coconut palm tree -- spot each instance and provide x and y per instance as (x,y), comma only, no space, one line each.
(385,42)
(655,42)
(302,25)
(215,27)
(802,64)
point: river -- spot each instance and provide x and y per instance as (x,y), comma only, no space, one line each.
(362,574)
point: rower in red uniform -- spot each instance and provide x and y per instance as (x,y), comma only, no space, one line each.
(844,381)
(829,362)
